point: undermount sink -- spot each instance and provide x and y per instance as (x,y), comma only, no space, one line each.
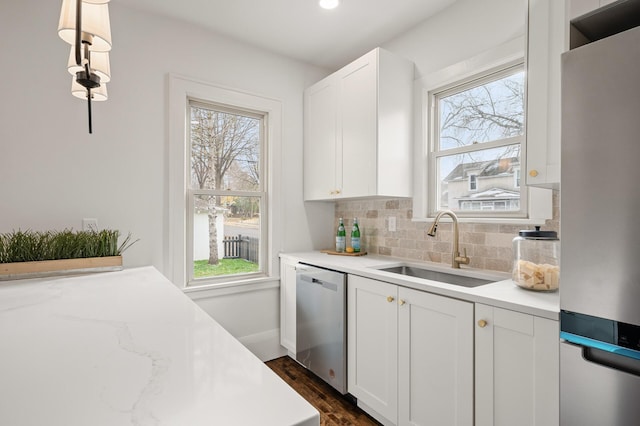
(414,271)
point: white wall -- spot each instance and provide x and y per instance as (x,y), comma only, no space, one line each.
(53,173)
(460,32)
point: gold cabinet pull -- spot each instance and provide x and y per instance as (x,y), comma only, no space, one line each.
(401,302)
(482,323)
(533,173)
(390,299)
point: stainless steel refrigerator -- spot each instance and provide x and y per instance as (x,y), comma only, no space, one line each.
(600,229)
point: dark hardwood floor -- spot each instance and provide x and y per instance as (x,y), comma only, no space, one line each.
(335,409)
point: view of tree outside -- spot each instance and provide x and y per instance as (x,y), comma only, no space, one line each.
(480,127)
(225,183)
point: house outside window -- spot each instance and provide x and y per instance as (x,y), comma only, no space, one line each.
(476,145)
(226,197)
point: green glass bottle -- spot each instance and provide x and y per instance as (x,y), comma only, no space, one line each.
(341,237)
(355,236)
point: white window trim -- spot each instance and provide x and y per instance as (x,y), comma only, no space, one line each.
(539,199)
(181,89)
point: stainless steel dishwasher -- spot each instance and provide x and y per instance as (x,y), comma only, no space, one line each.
(321,333)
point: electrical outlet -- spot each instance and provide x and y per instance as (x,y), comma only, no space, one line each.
(392,224)
(89,224)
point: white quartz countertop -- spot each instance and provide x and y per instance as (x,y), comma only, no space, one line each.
(129,348)
(502,293)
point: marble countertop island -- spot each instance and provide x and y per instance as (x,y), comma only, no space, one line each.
(129,348)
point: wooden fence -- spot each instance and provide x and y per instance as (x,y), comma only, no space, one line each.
(241,247)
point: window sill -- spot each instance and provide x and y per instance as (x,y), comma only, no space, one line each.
(202,291)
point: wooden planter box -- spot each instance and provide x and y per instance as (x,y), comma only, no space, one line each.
(48,268)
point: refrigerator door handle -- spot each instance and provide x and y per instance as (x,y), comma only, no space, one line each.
(606,354)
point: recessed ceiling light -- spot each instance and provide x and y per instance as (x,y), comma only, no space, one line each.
(329,4)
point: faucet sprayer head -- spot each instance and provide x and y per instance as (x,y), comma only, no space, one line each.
(433,229)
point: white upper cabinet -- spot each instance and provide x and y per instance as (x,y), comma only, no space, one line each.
(320,140)
(547,38)
(357,130)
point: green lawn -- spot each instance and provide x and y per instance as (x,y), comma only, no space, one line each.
(201,268)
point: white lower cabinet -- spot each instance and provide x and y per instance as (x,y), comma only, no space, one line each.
(410,354)
(372,346)
(288,304)
(435,371)
(517,368)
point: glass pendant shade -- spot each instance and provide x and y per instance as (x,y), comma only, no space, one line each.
(95,22)
(98,94)
(99,64)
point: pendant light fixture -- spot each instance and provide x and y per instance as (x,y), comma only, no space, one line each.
(84,24)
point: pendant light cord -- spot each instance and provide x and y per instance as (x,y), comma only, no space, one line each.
(89,109)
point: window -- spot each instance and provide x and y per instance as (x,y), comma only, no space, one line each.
(224,154)
(226,200)
(476,145)
(473,183)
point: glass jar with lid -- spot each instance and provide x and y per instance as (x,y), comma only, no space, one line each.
(536,260)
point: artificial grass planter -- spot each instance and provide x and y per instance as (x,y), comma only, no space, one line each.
(26,254)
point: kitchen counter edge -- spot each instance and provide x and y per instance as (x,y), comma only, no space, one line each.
(502,293)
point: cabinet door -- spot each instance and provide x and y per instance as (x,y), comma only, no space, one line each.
(356,163)
(320,138)
(288,305)
(372,342)
(517,368)
(546,40)
(435,343)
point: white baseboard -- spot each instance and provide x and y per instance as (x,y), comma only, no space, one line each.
(265,345)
